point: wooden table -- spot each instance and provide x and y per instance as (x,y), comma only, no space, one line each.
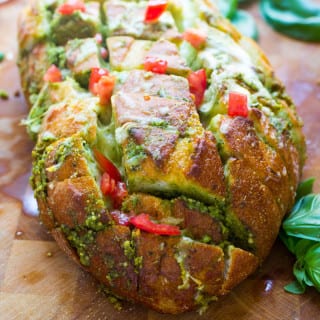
(37,281)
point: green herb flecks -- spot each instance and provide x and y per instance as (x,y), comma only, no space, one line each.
(4,95)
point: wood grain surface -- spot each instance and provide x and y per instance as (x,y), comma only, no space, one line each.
(37,281)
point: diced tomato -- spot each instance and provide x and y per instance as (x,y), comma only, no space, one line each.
(120,217)
(111,184)
(238,104)
(195,37)
(95,76)
(116,190)
(104,53)
(53,74)
(98,37)
(101,83)
(143,222)
(198,84)
(71,6)
(155,65)
(107,184)
(107,166)
(105,88)
(155,9)
(120,194)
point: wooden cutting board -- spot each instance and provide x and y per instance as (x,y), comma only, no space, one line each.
(37,281)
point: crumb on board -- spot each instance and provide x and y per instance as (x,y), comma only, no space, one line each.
(4,95)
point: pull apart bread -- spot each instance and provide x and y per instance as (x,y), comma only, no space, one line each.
(167,153)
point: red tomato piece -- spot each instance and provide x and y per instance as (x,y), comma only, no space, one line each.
(120,217)
(155,9)
(120,194)
(101,83)
(238,104)
(198,84)
(107,184)
(116,190)
(98,37)
(155,65)
(95,76)
(104,53)
(71,6)
(105,88)
(53,74)
(107,166)
(143,222)
(195,37)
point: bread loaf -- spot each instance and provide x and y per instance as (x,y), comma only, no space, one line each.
(166,151)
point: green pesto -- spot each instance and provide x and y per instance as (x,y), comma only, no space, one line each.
(83,78)
(111,276)
(115,301)
(193,204)
(76,25)
(184,274)
(130,203)
(38,179)
(206,239)
(160,123)
(80,239)
(37,112)
(203,300)
(65,149)
(93,222)
(49,94)
(252,84)
(129,249)
(94,205)
(135,154)
(4,95)
(56,56)
(239,234)
(138,262)
(216,210)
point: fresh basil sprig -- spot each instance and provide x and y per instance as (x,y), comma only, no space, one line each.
(301,235)
(304,220)
(244,22)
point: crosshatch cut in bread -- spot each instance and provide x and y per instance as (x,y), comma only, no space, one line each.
(166,151)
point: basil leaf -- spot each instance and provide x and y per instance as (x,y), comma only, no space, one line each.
(245,23)
(302,246)
(295,287)
(304,188)
(289,241)
(304,220)
(312,265)
(228,7)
